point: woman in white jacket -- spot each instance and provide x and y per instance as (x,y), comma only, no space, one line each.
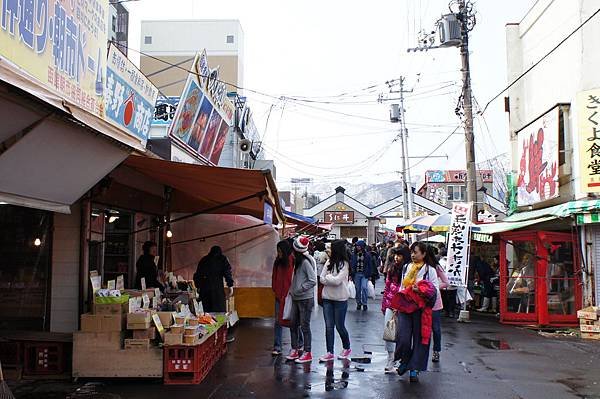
(334,277)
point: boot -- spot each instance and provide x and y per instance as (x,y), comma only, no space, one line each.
(389,368)
(495,305)
(485,306)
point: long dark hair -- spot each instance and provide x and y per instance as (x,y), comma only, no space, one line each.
(339,255)
(430,256)
(286,250)
(395,271)
(428,259)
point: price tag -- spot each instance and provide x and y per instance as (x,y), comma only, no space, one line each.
(154,302)
(120,283)
(157,294)
(146,301)
(132,305)
(111,284)
(143,280)
(159,326)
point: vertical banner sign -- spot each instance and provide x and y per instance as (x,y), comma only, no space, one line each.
(588,109)
(62,44)
(538,160)
(130,97)
(458,244)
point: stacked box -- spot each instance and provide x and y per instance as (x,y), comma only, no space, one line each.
(149,333)
(138,321)
(101,322)
(589,322)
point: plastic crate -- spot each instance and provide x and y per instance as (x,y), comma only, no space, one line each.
(43,358)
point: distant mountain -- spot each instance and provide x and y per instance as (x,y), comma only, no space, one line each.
(369,194)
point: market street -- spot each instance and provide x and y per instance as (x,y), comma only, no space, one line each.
(533,367)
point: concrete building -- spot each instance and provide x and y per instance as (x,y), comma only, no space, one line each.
(552,133)
(118,26)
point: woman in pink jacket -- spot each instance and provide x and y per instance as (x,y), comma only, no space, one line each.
(393,282)
(437,308)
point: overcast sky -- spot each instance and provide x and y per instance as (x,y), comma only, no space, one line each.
(332,51)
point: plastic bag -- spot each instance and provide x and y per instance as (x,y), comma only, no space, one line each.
(371,290)
(389,331)
(351,290)
(287,308)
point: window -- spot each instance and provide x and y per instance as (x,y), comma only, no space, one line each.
(147,39)
(229,39)
(457,193)
(114,23)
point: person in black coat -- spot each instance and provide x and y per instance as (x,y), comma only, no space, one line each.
(211,271)
(146,268)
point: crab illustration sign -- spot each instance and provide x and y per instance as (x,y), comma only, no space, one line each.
(538,155)
(129,97)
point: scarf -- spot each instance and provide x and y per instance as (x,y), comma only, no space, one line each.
(411,275)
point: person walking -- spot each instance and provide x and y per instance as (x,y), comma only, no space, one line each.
(414,304)
(393,282)
(334,278)
(303,292)
(281,280)
(375,264)
(361,272)
(437,308)
(447,293)
(486,273)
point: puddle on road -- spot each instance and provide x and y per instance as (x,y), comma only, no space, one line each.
(496,344)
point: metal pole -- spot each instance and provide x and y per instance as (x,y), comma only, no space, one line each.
(407,187)
(468,108)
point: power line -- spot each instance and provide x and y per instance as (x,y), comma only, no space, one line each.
(541,59)
(436,148)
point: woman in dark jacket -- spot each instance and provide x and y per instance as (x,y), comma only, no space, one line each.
(211,271)
(146,268)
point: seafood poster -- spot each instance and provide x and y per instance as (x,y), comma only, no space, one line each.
(129,96)
(538,160)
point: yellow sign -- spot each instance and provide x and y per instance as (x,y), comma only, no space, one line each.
(588,109)
(62,44)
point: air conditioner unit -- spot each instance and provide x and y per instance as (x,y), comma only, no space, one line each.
(449,30)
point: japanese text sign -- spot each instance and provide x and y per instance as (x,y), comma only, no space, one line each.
(588,109)
(458,244)
(339,217)
(62,44)
(164,110)
(129,97)
(538,160)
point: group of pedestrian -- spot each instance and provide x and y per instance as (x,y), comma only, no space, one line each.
(411,296)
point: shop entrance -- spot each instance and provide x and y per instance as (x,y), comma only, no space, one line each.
(539,278)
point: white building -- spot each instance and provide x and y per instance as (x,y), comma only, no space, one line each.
(545,120)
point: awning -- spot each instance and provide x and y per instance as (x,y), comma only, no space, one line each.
(305,225)
(208,189)
(562,210)
(501,227)
(295,216)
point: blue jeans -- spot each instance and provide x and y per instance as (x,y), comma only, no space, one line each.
(362,292)
(334,313)
(278,330)
(436,327)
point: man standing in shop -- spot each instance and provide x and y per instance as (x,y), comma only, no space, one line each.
(146,267)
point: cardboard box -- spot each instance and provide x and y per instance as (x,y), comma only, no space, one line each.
(98,340)
(173,339)
(589,326)
(589,313)
(177,328)
(190,339)
(149,333)
(100,363)
(166,318)
(594,336)
(90,323)
(110,308)
(138,321)
(137,344)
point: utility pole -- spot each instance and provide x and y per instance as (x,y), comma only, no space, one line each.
(466,21)
(405,159)
(397,115)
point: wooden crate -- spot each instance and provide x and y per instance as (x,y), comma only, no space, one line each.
(94,363)
(137,343)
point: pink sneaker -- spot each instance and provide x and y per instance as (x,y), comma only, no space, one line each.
(345,354)
(327,358)
(293,355)
(306,358)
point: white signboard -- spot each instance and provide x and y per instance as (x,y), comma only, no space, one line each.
(458,244)
(538,160)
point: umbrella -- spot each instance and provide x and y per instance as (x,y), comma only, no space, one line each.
(408,223)
(432,223)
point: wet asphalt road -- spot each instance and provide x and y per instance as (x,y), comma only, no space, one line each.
(482,359)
